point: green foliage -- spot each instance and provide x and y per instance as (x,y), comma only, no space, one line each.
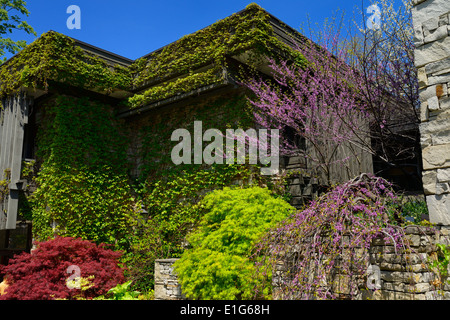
(401,210)
(179,86)
(11,13)
(439,263)
(217,266)
(4,184)
(231,36)
(174,206)
(415,209)
(83,188)
(442,260)
(55,56)
(174,209)
(228,111)
(43,273)
(121,292)
(169,193)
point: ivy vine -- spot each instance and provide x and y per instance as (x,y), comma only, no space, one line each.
(247,32)
(56,57)
(83,186)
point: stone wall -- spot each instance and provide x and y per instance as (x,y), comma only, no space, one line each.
(394,275)
(166,282)
(432,59)
(408,275)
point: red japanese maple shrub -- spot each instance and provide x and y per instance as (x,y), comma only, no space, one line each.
(42,274)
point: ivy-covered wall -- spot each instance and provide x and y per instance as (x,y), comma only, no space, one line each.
(150,133)
(201,58)
(55,57)
(170,192)
(82,185)
(112,180)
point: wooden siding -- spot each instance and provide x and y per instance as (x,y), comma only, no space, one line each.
(13,118)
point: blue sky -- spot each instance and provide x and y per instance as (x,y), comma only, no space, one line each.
(134,28)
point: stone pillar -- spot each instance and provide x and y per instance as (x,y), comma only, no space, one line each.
(166,281)
(432,59)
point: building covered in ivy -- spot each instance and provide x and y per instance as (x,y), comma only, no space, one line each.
(80,125)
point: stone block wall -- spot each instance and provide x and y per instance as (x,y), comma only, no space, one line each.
(408,275)
(431,20)
(394,275)
(166,281)
(397,275)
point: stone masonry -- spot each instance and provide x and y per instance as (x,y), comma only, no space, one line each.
(405,275)
(432,59)
(409,275)
(395,274)
(166,281)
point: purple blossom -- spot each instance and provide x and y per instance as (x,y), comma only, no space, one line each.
(336,225)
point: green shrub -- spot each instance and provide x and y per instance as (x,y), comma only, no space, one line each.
(218,264)
(415,209)
(173,211)
(120,292)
